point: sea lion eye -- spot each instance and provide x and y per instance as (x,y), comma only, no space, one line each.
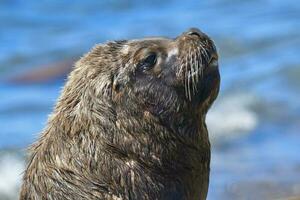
(213,62)
(148,62)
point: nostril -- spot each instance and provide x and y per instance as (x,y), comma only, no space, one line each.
(194,31)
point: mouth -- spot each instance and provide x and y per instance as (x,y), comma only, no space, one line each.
(210,83)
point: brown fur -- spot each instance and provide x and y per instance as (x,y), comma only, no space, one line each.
(121,132)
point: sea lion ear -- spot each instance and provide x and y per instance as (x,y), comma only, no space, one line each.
(121,79)
(116,86)
(118,83)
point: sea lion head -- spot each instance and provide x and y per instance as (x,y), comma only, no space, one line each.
(161,76)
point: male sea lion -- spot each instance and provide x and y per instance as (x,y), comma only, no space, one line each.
(130,124)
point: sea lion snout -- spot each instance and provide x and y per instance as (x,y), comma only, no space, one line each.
(197,64)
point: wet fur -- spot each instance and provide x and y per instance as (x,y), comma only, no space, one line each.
(117,133)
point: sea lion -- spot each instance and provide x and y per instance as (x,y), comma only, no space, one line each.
(130,124)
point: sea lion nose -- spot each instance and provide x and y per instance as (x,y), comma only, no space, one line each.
(195,31)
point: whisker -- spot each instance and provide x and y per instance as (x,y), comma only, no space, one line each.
(193,72)
(189,89)
(197,67)
(185,80)
(181,67)
(204,52)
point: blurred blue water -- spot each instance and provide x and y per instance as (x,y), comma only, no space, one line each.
(259,46)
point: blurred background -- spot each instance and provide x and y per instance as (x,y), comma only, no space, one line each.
(254,124)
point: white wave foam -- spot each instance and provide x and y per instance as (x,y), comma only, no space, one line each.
(231,116)
(11,168)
